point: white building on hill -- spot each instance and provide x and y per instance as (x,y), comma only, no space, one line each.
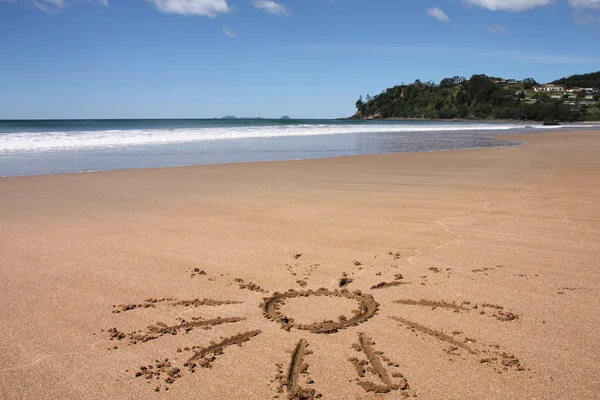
(549,88)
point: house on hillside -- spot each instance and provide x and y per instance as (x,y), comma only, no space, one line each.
(549,88)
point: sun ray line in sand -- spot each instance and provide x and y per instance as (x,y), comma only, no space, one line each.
(160,329)
(204,357)
(374,365)
(153,303)
(431,332)
(430,303)
(296,369)
(385,285)
(490,355)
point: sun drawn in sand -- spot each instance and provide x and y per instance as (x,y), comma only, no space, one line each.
(374,371)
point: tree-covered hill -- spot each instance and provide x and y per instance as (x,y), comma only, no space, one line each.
(480,97)
(591,80)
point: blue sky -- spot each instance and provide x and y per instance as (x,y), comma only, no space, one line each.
(303,58)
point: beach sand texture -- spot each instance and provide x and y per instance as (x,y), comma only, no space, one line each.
(449,275)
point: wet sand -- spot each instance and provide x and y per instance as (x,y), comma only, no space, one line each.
(449,275)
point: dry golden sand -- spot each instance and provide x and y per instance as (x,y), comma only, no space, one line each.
(497,250)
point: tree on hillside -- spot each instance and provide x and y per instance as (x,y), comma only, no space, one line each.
(528,83)
(449,82)
(359,103)
(479,97)
(583,81)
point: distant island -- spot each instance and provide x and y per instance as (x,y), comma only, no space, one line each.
(575,98)
(252,118)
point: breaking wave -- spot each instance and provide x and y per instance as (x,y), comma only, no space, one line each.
(72,140)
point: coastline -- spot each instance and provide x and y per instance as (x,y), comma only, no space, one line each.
(512,227)
(76,146)
(499,121)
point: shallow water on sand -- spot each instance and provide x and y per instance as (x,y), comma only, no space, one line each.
(52,147)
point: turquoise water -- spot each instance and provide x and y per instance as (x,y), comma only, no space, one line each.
(34,147)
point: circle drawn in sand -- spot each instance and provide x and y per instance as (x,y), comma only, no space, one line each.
(367,308)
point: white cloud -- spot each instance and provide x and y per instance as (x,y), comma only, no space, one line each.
(511,5)
(438,14)
(271,7)
(584,3)
(227,31)
(209,8)
(497,29)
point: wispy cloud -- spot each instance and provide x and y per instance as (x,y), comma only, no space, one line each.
(527,56)
(50,6)
(228,32)
(581,4)
(438,14)
(584,18)
(208,8)
(497,29)
(586,12)
(511,5)
(271,7)
(55,6)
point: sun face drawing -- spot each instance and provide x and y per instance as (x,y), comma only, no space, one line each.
(374,371)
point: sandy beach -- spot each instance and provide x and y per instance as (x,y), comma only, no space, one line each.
(447,275)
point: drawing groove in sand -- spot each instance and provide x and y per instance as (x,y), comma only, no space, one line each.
(375,373)
(367,308)
(432,304)
(385,285)
(203,357)
(491,354)
(166,372)
(152,303)
(297,371)
(497,312)
(160,329)
(249,286)
(373,364)
(431,332)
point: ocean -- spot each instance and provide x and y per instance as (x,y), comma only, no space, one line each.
(39,147)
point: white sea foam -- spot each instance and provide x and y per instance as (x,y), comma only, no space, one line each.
(45,141)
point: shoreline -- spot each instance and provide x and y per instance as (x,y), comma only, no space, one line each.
(494,136)
(498,135)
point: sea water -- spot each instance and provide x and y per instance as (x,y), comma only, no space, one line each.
(36,147)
